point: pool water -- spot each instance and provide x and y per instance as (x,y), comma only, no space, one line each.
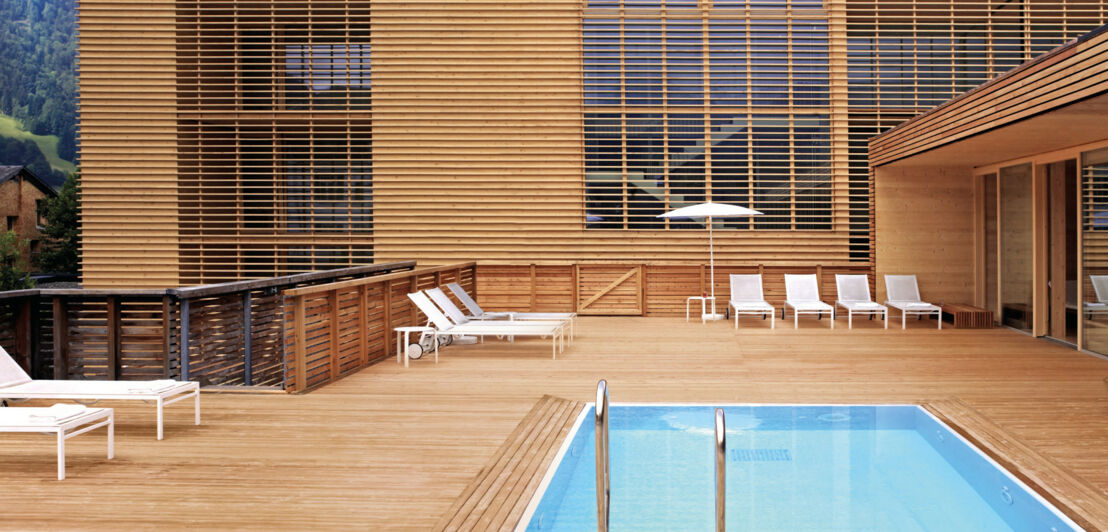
(794,468)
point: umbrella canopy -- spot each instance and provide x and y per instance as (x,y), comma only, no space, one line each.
(710,210)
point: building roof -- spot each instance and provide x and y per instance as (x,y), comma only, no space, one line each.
(8,172)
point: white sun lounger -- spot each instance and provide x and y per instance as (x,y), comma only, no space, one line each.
(1100,287)
(747,298)
(854,297)
(443,326)
(802,294)
(66,421)
(903,294)
(15,384)
(477,313)
(454,314)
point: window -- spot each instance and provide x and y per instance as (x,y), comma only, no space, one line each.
(329,182)
(40,212)
(12,221)
(327,68)
(690,106)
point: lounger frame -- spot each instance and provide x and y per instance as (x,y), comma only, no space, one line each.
(802,295)
(902,296)
(748,301)
(853,295)
(478,313)
(24,388)
(442,326)
(90,420)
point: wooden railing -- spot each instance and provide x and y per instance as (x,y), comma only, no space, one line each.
(332,330)
(234,330)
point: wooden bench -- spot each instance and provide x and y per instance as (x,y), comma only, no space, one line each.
(968,317)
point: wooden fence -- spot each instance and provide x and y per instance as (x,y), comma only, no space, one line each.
(627,289)
(234,330)
(332,330)
(303,331)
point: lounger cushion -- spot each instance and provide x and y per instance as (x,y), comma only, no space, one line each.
(917,306)
(862,305)
(811,306)
(751,306)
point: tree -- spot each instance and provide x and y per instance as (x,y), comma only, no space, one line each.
(59,252)
(13,262)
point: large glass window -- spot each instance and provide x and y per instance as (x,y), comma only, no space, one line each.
(687,106)
(1016,247)
(1094,246)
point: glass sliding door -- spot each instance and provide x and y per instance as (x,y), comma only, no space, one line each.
(991,250)
(1016,240)
(1094,249)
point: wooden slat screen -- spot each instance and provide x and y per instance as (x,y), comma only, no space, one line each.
(255,145)
(334,329)
(275,159)
(128,143)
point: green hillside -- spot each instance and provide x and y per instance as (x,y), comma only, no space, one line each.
(47,144)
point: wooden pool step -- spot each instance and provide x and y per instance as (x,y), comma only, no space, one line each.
(496,498)
(1074,496)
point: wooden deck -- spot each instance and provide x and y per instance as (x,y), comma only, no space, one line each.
(393,449)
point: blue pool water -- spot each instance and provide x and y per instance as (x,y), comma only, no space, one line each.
(789,468)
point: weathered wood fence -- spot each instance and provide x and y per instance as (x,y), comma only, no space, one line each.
(234,333)
(332,330)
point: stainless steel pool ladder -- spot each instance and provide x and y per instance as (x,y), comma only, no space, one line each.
(603,467)
(721,470)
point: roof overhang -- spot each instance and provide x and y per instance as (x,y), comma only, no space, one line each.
(1055,101)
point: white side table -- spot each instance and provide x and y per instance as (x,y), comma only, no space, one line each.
(402,348)
(703,306)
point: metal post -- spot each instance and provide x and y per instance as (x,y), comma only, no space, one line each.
(184,339)
(603,467)
(721,471)
(247,341)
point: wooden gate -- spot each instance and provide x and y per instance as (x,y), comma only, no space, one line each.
(610,290)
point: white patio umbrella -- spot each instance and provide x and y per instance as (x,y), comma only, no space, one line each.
(711,210)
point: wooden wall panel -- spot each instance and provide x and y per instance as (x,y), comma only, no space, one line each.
(666,287)
(128,143)
(925,226)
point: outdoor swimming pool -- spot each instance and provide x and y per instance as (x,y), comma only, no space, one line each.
(827,468)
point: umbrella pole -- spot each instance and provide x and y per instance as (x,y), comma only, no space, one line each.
(712,266)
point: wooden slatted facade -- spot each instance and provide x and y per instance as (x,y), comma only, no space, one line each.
(236,139)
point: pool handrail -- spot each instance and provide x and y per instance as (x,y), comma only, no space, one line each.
(721,470)
(603,466)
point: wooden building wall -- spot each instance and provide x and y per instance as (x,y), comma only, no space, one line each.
(476,128)
(925,225)
(128,143)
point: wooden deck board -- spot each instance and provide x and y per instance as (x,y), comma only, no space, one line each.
(503,488)
(392,449)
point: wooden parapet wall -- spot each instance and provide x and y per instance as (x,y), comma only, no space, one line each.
(630,289)
(235,332)
(334,329)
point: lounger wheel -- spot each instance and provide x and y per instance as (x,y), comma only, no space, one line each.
(415,351)
(446,340)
